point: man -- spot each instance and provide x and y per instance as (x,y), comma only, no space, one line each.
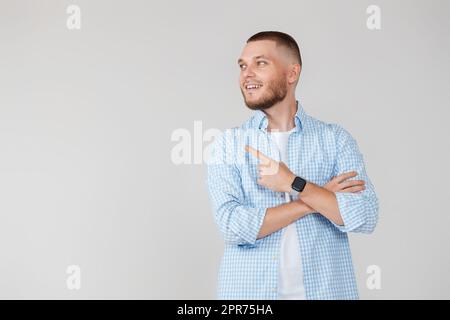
(286,188)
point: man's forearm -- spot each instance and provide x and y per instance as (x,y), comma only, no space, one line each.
(323,201)
(280,216)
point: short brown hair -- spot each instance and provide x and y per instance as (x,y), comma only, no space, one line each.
(280,38)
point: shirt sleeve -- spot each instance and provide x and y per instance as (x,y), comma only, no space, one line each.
(359,211)
(239,223)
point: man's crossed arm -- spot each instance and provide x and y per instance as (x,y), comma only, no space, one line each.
(350,205)
(277,177)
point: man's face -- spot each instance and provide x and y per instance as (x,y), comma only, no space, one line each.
(262,78)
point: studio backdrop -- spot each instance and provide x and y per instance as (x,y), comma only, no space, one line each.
(107,109)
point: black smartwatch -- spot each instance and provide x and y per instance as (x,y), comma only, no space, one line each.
(298,185)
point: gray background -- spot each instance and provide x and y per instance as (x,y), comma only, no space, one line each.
(86,118)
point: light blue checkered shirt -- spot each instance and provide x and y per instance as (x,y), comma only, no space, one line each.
(317,151)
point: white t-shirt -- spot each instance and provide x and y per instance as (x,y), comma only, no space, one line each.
(290,279)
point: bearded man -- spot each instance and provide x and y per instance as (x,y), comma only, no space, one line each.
(285,211)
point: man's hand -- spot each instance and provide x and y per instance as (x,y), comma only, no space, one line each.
(271,173)
(338,183)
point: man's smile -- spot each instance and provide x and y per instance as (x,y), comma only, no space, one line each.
(252,87)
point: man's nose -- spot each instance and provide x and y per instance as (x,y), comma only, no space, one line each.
(248,72)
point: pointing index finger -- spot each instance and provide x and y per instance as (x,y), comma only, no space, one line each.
(258,154)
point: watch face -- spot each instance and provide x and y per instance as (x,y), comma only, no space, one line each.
(298,184)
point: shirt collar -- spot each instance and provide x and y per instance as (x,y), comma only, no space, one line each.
(261,121)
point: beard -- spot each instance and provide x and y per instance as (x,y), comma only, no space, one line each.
(275,92)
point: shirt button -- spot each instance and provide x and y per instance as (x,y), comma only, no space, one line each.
(274,257)
(274,289)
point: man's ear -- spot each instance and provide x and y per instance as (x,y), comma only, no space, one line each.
(294,72)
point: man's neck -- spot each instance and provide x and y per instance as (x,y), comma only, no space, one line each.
(281,115)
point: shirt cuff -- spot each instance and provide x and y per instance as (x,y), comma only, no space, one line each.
(252,241)
(351,208)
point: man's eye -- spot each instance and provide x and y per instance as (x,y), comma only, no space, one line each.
(259,62)
(241,66)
